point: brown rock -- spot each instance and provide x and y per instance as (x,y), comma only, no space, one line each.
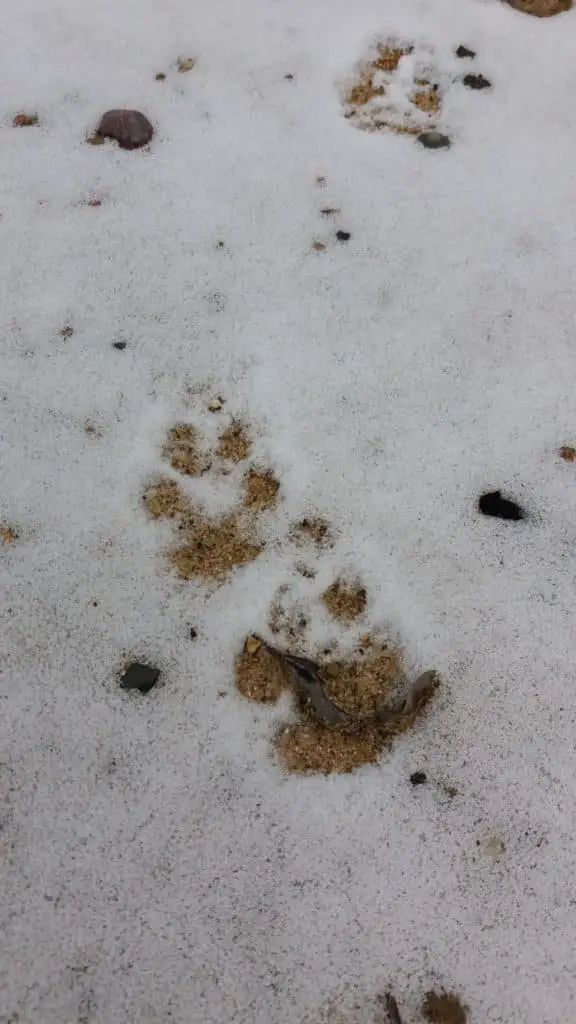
(129,127)
(25,120)
(541,8)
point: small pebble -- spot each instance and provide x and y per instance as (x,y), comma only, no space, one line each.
(193,633)
(434,140)
(119,345)
(140,677)
(318,246)
(493,847)
(343,236)
(418,778)
(493,504)
(186,64)
(568,453)
(25,120)
(215,404)
(252,645)
(160,77)
(330,211)
(289,77)
(463,51)
(476,82)
(129,128)
(66,332)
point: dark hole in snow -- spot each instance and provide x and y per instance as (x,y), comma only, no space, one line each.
(493,504)
(418,778)
(140,677)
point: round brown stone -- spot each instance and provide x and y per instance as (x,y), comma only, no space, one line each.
(541,8)
(129,127)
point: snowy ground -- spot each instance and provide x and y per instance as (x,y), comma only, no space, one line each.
(156,864)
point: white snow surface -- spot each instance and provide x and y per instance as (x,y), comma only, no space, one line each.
(156,864)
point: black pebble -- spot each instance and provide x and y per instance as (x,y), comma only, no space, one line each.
(140,677)
(120,345)
(463,51)
(288,77)
(343,236)
(193,633)
(493,504)
(418,778)
(476,82)
(434,140)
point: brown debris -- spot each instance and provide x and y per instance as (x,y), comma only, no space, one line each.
(186,64)
(7,533)
(212,548)
(164,500)
(345,601)
(312,529)
(427,100)
(389,56)
(181,449)
(129,128)
(66,332)
(541,8)
(25,120)
(359,685)
(444,1008)
(568,453)
(392,1010)
(260,489)
(234,443)
(259,675)
(318,246)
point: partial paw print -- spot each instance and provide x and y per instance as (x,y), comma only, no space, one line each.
(401,87)
(348,708)
(211,548)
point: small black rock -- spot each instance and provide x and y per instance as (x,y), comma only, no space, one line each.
(476,82)
(193,633)
(418,778)
(434,140)
(288,77)
(493,504)
(120,345)
(463,51)
(140,677)
(343,236)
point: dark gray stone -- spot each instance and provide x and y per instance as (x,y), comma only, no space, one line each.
(418,778)
(139,677)
(129,127)
(463,51)
(434,140)
(476,82)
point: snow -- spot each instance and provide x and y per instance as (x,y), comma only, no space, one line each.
(157,866)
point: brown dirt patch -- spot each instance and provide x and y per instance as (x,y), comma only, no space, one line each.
(360,684)
(234,442)
(312,530)
(318,246)
(345,601)
(568,453)
(259,675)
(541,8)
(389,56)
(444,1008)
(212,548)
(182,449)
(7,533)
(427,100)
(309,747)
(260,489)
(164,500)
(367,103)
